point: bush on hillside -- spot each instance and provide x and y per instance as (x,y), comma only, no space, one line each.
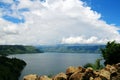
(111,53)
(95,66)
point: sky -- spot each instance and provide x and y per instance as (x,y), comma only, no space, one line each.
(108,9)
(45,22)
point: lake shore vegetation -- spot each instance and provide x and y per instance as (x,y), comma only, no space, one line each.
(10,68)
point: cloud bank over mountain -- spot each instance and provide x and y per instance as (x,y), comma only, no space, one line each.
(53,22)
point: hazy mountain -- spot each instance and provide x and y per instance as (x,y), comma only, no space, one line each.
(72,48)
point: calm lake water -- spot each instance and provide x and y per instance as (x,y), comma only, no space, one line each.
(53,63)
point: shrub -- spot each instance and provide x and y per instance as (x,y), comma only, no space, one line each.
(111,53)
(95,66)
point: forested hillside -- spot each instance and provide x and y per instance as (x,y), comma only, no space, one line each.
(72,48)
(17,49)
(10,68)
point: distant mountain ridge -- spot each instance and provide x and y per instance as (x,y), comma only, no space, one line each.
(72,48)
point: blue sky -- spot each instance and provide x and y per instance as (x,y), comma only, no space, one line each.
(109,9)
(55,22)
(7,12)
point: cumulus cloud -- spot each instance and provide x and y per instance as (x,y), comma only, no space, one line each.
(83,40)
(59,21)
(8,28)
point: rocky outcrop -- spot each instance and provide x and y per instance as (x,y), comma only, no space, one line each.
(110,72)
(60,76)
(31,77)
(44,78)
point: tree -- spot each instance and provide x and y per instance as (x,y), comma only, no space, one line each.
(95,66)
(111,53)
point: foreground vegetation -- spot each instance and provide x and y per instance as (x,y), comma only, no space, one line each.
(111,55)
(10,69)
(96,66)
(17,49)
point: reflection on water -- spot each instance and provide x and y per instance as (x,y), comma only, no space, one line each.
(53,63)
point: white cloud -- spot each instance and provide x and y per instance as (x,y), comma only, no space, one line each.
(84,40)
(59,21)
(7,28)
(10,30)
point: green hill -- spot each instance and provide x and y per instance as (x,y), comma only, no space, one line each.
(17,49)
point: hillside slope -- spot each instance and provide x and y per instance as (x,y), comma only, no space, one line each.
(17,49)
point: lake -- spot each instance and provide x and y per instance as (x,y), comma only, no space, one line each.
(53,63)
